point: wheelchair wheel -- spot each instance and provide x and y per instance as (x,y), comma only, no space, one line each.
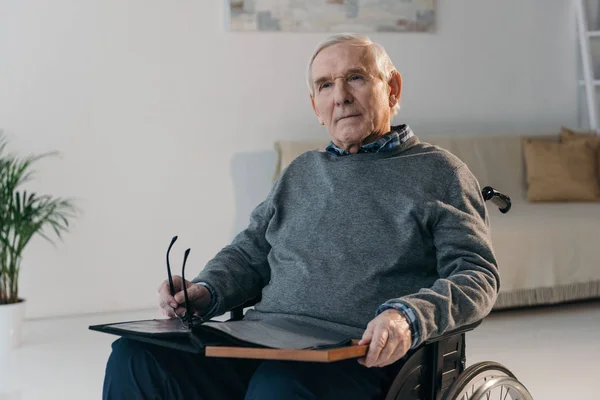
(487,380)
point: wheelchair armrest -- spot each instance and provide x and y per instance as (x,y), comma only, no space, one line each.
(462,329)
(237,313)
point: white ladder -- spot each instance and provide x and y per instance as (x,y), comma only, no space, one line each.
(587,64)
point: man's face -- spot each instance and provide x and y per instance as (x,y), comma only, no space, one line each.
(349,98)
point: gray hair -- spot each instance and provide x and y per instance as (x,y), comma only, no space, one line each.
(382,59)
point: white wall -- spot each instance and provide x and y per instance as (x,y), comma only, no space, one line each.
(166,122)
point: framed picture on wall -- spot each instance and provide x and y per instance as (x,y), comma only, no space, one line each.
(332,15)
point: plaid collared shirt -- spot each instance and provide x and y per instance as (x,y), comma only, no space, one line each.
(399,134)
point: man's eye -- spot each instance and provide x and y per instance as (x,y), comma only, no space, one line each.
(355,77)
(325,85)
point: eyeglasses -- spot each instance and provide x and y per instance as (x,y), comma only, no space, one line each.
(188,319)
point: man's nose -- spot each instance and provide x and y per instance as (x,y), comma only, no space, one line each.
(342,95)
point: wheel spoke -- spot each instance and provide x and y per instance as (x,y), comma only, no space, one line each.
(487,380)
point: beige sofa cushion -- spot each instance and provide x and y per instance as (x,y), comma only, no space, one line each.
(565,171)
(546,244)
(495,160)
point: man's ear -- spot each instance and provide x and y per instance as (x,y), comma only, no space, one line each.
(395,83)
(312,102)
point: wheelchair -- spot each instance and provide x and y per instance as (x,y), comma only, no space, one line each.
(436,370)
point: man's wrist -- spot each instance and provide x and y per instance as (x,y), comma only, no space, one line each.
(212,306)
(409,315)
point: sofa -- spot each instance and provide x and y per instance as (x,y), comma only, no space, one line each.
(548,252)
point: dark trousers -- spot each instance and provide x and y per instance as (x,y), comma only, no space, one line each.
(138,370)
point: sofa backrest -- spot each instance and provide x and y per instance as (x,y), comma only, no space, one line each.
(495,160)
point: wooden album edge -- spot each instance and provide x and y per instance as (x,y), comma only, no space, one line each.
(329,355)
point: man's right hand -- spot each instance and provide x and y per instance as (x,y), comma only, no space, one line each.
(171,306)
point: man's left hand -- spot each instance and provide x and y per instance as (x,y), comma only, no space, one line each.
(389,338)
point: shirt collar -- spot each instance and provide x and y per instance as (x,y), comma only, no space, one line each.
(397,136)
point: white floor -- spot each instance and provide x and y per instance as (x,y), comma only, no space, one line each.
(554,352)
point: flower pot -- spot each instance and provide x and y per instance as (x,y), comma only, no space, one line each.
(11,322)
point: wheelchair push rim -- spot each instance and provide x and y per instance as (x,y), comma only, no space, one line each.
(503,386)
(487,381)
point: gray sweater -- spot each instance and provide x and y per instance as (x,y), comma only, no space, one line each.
(339,236)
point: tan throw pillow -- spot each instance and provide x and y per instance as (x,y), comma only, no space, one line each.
(561,171)
(567,134)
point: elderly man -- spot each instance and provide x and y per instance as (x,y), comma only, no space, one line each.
(381,237)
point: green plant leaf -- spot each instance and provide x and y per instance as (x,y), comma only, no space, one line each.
(24,215)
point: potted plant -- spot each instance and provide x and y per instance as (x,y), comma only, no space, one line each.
(23,215)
